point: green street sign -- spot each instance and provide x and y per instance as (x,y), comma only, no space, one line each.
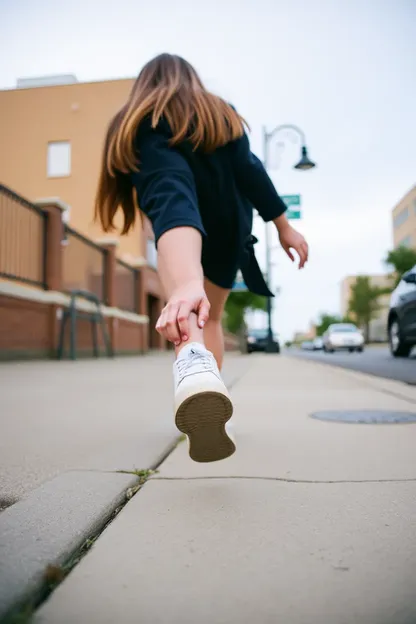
(292,200)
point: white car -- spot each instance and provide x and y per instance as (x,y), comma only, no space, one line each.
(307,345)
(343,337)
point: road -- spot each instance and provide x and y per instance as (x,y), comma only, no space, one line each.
(375,361)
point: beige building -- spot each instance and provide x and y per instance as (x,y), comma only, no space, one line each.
(51,141)
(378,326)
(404,220)
(52,131)
(310,334)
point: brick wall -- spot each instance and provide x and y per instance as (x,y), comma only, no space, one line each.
(30,329)
(25,328)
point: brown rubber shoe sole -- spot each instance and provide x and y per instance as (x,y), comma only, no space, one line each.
(202,418)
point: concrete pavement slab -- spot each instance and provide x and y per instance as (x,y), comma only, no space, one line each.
(49,524)
(90,414)
(222,551)
(276,437)
(106,420)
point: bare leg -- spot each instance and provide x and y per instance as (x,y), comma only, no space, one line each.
(202,404)
(213,332)
(196,334)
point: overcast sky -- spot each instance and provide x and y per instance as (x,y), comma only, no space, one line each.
(343,70)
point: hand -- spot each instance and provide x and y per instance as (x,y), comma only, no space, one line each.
(173,323)
(291,239)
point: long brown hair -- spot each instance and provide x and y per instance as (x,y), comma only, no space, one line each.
(168,87)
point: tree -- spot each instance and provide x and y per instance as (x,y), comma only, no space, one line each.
(364,302)
(325,320)
(236,306)
(401,259)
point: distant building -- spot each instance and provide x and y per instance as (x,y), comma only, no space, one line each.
(52,131)
(378,326)
(304,336)
(404,220)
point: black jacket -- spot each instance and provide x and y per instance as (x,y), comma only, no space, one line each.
(215,193)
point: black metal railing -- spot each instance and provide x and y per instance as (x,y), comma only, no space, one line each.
(22,239)
(83,265)
(125,286)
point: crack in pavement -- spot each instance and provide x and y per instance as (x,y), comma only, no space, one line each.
(287,480)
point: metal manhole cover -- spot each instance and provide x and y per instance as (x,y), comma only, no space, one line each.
(366,417)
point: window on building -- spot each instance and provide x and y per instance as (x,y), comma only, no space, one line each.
(401,217)
(405,242)
(414,205)
(151,253)
(58,162)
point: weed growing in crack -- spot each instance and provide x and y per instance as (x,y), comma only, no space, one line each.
(143,475)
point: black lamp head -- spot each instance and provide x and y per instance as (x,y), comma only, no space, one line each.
(305,163)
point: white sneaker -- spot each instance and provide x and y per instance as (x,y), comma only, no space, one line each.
(202,404)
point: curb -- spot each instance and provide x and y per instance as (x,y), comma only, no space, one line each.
(45,529)
(399,389)
(51,524)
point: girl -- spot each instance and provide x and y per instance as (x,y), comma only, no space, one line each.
(183,154)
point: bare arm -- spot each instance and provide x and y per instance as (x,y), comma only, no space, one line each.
(184,244)
(292,239)
(180,270)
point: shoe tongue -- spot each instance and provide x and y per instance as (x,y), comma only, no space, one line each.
(193,348)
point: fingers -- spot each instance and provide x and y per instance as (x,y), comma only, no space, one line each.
(184,311)
(167,324)
(289,253)
(203,311)
(291,239)
(159,325)
(303,252)
(173,323)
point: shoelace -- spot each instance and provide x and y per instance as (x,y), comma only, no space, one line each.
(195,359)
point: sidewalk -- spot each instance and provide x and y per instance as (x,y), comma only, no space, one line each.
(102,415)
(76,439)
(308,523)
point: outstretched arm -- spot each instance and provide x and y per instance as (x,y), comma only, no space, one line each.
(166,194)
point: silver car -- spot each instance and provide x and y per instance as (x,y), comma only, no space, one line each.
(343,337)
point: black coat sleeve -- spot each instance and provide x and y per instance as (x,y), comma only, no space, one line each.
(165,185)
(253,181)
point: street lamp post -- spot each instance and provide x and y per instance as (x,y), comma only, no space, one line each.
(303,165)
